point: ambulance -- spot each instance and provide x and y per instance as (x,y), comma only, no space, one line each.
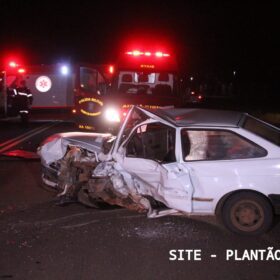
(55,88)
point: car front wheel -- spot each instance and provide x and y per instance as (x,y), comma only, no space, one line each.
(247,213)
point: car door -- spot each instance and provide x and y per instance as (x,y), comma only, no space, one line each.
(150,160)
(219,161)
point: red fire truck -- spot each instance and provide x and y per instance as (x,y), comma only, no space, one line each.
(144,77)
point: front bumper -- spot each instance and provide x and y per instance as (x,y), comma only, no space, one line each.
(275,200)
(50,176)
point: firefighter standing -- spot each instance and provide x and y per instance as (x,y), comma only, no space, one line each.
(20,100)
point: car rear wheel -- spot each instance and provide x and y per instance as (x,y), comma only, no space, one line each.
(247,213)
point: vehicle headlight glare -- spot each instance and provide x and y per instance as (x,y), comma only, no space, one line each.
(112,115)
(64,70)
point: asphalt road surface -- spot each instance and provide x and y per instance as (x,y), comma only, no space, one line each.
(39,240)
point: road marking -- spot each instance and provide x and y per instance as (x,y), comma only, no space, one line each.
(80,225)
(29,135)
(22,135)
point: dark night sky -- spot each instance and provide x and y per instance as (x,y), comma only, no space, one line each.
(209,36)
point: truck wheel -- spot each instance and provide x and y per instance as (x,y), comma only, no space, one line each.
(247,213)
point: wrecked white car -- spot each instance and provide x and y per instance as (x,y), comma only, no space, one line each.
(174,161)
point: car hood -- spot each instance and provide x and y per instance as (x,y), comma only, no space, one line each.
(55,146)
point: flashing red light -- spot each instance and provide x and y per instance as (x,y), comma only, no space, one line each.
(13,64)
(136,53)
(111,69)
(199,97)
(159,54)
(147,53)
(74,111)
(21,70)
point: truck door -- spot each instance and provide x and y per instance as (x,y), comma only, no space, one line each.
(90,90)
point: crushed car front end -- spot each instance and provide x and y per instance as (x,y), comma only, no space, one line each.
(54,149)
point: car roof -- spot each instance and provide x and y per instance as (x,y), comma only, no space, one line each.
(200,117)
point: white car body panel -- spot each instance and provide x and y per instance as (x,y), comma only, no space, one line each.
(189,187)
(214,179)
(169,183)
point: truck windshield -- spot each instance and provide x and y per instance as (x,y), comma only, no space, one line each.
(152,83)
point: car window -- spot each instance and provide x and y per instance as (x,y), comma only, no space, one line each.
(152,141)
(217,145)
(262,129)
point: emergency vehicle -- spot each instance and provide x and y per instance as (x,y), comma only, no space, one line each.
(56,88)
(143,77)
(97,97)
(15,97)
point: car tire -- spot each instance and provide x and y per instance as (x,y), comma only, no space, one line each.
(247,213)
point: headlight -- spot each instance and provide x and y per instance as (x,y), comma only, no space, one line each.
(112,115)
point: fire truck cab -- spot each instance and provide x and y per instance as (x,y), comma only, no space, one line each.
(146,78)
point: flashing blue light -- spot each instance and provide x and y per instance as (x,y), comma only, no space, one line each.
(64,70)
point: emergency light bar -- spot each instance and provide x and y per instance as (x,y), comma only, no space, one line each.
(13,64)
(140,53)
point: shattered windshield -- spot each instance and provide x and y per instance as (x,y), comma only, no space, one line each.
(137,116)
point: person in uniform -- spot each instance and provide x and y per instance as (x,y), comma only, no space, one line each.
(20,99)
